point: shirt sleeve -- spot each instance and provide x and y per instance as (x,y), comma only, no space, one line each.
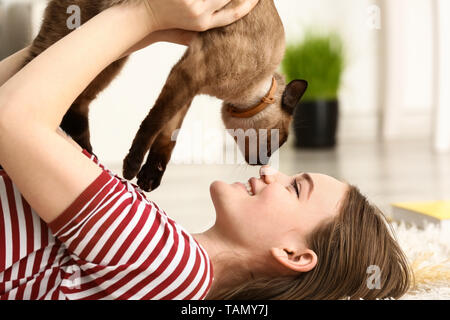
(126,247)
(98,226)
(94,159)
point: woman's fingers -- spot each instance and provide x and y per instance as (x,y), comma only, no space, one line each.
(231,14)
(196,15)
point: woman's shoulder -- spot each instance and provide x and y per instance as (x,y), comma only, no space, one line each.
(161,253)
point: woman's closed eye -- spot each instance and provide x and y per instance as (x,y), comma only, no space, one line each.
(296,187)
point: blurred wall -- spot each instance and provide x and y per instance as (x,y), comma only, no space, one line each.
(116,115)
(350,18)
(407,69)
(15,26)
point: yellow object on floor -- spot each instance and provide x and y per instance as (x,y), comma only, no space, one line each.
(437,212)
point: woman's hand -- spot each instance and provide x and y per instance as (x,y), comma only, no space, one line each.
(196,15)
(178,21)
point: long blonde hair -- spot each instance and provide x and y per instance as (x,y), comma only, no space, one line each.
(358,258)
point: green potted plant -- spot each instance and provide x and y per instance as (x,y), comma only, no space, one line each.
(319,59)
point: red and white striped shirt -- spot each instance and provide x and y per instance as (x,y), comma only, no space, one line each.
(111,243)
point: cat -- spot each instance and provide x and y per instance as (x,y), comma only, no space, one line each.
(237,64)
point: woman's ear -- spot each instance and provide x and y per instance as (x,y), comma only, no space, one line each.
(297,261)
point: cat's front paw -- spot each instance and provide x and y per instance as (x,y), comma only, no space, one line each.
(130,167)
(150,176)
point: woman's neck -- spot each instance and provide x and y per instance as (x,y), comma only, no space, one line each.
(229,262)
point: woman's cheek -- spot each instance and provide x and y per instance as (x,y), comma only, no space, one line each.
(273,196)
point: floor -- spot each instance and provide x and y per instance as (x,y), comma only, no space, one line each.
(385,172)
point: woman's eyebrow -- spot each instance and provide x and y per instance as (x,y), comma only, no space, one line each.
(309,179)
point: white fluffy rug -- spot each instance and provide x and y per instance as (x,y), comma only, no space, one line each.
(428,251)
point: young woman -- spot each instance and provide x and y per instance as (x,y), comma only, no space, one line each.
(71,229)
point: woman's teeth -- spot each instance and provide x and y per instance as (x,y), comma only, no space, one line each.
(249,189)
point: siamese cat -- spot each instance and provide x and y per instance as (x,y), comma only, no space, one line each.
(236,64)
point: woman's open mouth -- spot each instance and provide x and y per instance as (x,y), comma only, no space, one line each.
(249,188)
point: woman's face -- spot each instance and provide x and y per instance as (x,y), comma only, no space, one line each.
(273,214)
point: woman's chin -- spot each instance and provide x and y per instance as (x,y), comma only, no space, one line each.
(217,188)
(229,195)
(217,185)
(222,191)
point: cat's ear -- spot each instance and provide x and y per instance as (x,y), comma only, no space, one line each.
(292,94)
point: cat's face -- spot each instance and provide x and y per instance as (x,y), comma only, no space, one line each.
(261,136)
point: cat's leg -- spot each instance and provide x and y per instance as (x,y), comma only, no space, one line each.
(150,176)
(180,89)
(76,121)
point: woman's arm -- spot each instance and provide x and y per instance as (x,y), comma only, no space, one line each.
(10,66)
(58,75)
(48,171)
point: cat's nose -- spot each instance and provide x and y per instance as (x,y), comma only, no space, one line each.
(267,170)
(259,162)
(263,162)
